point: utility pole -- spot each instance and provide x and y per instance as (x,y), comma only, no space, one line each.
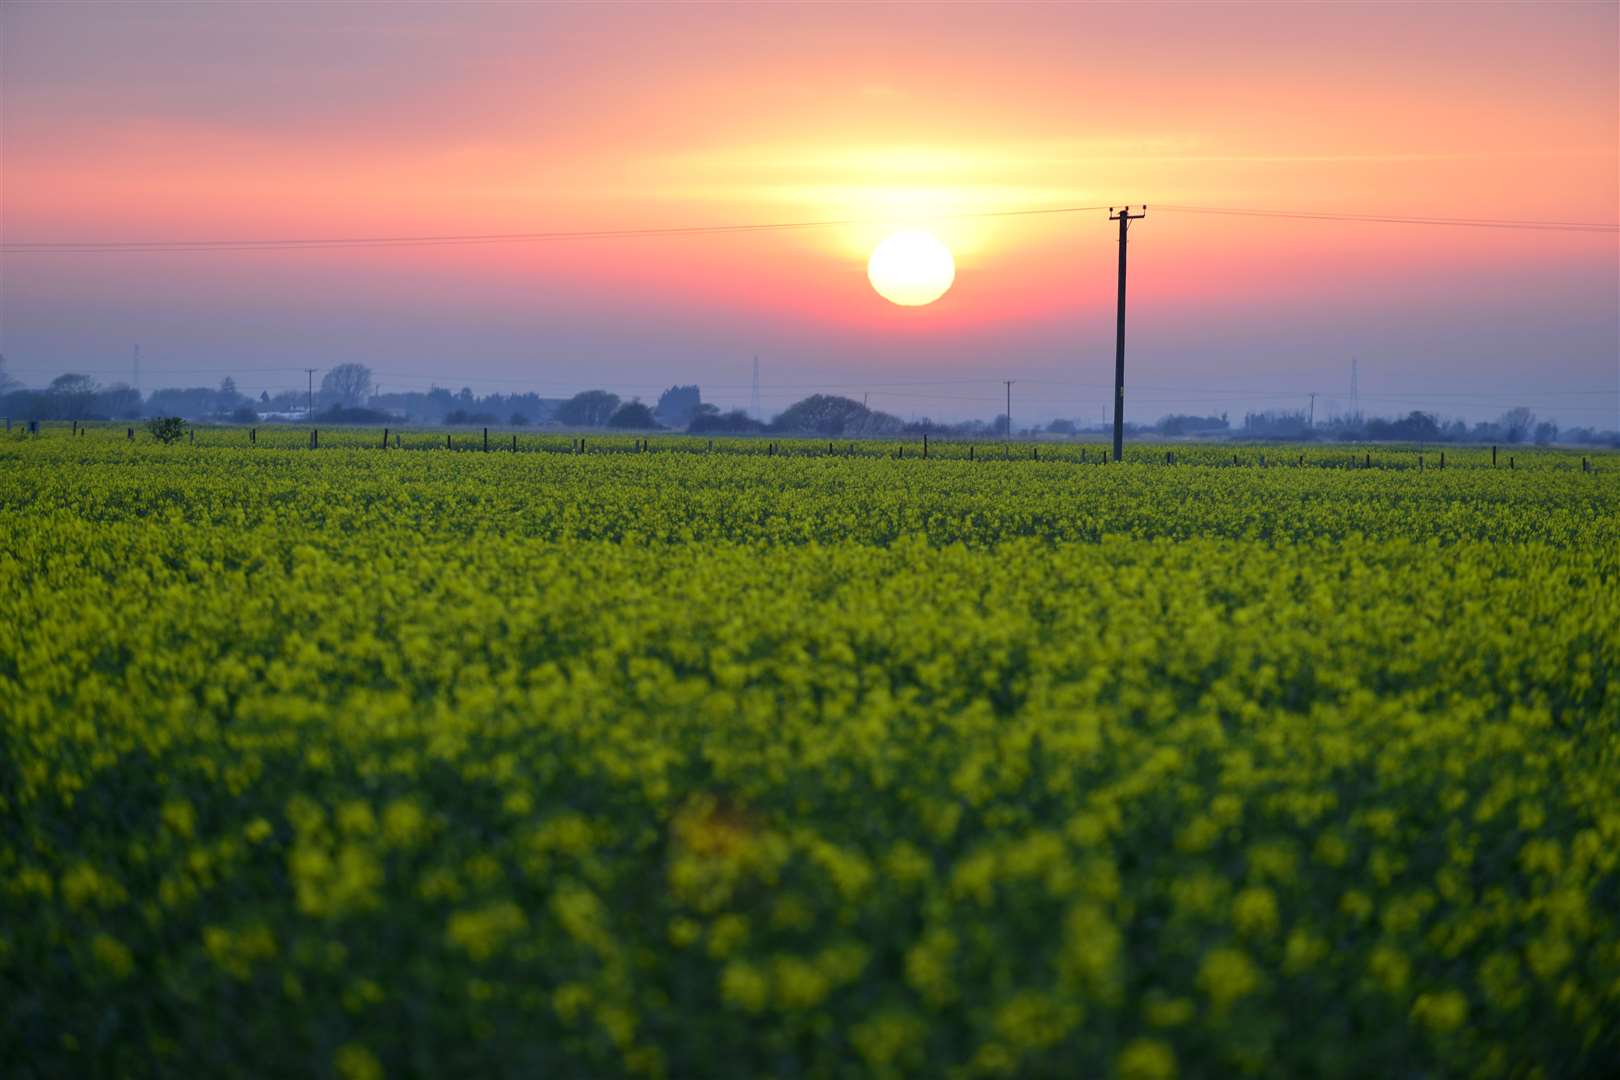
(1009,383)
(1312,422)
(136,365)
(1355,392)
(753,401)
(1124,217)
(309,401)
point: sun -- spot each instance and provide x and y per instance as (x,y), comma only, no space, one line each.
(911,268)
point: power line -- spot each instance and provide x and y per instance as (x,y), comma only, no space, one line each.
(1394,219)
(69,247)
(141,246)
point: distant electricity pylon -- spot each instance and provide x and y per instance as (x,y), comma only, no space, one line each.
(753,400)
(1009,383)
(1355,392)
(1312,421)
(1124,217)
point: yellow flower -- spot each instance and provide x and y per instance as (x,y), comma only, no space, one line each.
(1147,1059)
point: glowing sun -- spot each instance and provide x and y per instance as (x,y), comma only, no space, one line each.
(911,268)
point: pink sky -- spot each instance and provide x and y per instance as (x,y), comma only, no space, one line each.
(193,121)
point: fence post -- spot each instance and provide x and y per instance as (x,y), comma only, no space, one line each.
(711,444)
(1420,463)
(33,427)
(514,442)
(1493,457)
(970,453)
(130,435)
(1442,459)
(193,434)
(486,440)
(75,427)
(1037,452)
(396,440)
(447,445)
(1583,465)
(925,445)
(1510,461)
(385,439)
(1369,459)
(253,436)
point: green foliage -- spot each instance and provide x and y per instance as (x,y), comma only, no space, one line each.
(684,764)
(167,429)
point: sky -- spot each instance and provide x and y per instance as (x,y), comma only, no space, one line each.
(140,122)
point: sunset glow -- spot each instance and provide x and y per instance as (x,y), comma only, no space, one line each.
(133,122)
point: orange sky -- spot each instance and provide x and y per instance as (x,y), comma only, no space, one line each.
(128,122)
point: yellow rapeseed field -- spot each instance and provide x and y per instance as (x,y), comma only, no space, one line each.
(804,760)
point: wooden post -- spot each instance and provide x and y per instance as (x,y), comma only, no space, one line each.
(1234,459)
(1037,452)
(253,436)
(385,439)
(193,436)
(1510,461)
(314,438)
(33,427)
(582,444)
(514,442)
(1493,457)
(486,440)
(75,427)
(829,448)
(770,451)
(1583,465)
(970,453)
(1442,459)
(1420,463)
(447,445)
(1369,460)
(925,446)
(711,444)
(396,440)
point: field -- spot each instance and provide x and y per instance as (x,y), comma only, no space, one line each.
(762,760)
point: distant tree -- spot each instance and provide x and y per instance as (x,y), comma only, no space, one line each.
(264,397)
(245,415)
(73,397)
(518,420)
(592,408)
(735,422)
(1001,425)
(822,414)
(1546,432)
(1061,427)
(1516,423)
(118,400)
(6,381)
(633,414)
(346,384)
(166,429)
(227,387)
(677,405)
(1179,424)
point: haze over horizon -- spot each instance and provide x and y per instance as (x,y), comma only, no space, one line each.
(180,122)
